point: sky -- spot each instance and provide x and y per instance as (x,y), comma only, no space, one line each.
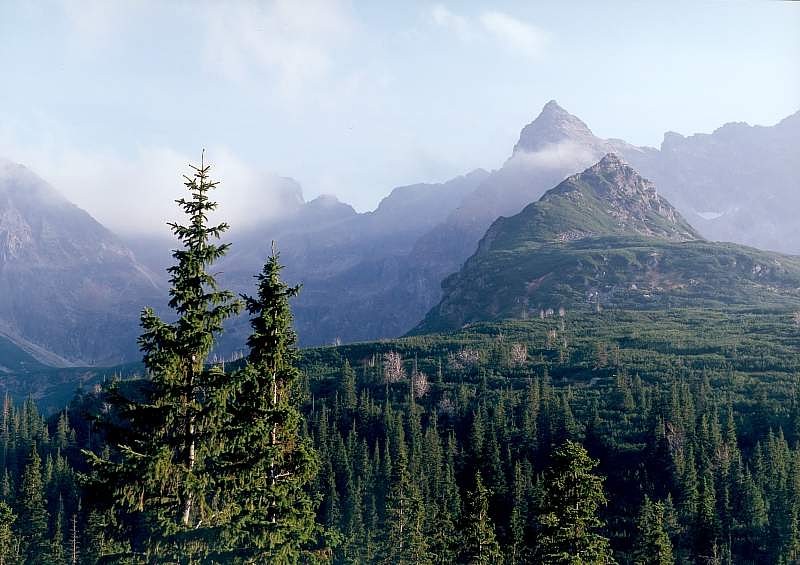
(110,100)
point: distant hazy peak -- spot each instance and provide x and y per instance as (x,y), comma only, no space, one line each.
(326,201)
(19,182)
(553,125)
(730,131)
(791,120)
(475,173)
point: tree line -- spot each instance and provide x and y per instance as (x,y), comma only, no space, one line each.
(382,453)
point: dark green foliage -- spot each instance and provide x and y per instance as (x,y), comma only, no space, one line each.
(695,409)
(569,522)
(681,412)
(162,491)
(653,546)
(33,514)
(9,541)
(405,540)
(479,542)
(57,554)
(265,465)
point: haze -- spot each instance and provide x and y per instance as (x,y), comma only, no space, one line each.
(110,101)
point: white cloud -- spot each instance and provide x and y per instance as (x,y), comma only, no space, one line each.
(136,193)
(561,155)
(443,17)
(295,40)
(518,36)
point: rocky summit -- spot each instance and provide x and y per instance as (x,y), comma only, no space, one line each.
(605,238)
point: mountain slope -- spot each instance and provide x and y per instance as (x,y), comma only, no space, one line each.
(553,146)
(605,238)
(738,183)
(359,281)
(608,198)
(70,291)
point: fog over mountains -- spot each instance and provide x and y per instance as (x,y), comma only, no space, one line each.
(72,290)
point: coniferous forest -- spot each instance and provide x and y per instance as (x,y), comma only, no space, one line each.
(587,436)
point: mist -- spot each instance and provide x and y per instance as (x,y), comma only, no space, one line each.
(136,195)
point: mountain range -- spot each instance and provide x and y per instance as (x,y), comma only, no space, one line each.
(606,238)
(72,290)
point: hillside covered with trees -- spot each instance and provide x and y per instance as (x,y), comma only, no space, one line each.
(576,436)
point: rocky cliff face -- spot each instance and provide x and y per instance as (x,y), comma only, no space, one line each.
(70,291)
(554,126)
(737,184)
(630,199)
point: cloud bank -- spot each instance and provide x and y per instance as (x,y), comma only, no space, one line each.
(561,155)
(136,193)
(294,40)
(514,34)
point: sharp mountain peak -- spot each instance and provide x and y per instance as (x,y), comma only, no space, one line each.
(608,198)
(553,125)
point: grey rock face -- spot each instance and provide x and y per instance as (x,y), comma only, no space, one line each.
(738,184)
(631,200)
(70,291)
(70,287)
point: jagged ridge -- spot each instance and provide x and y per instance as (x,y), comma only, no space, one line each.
(606,238)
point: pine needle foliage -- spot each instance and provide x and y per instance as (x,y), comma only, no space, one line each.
(266,464)
(162,490)
(569,521)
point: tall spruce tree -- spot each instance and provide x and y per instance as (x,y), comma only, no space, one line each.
(479,545)
(405,542)
(33,516)
(161,486)
(569,521)
(652,546)
(266,464)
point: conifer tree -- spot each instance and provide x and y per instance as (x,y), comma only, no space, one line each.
(159,479)
(569,521)
(266,464)
(653,546)
(348,387)
(33,514)
(480,545)
(57,555)
(519,517)
(705,526)
(405,542)
(9,542)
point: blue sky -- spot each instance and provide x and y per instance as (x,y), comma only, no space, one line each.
(109,100)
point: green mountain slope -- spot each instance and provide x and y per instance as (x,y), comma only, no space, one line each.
(605,238)
(22,376)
